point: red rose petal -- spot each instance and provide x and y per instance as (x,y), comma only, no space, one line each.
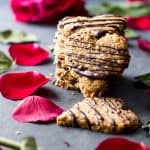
(36,109)
(139,23)
(147,92)
(143,44)
(21,84)
(28,54)
(46,11)
(141,1)
(120,144)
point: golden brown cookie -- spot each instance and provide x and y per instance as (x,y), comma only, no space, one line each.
(91,52)
(100,114)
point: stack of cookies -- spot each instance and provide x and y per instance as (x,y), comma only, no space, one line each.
(90,53)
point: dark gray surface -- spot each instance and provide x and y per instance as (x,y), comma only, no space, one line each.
(51,136)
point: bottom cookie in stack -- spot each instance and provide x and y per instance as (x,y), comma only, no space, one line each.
(100,114)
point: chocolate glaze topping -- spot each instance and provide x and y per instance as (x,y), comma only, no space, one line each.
(83,20)
(92,75)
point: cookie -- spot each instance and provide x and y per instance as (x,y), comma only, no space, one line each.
(105,114)
(92,58)
(91,51)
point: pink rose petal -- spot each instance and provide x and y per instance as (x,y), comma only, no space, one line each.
(147,92)
(121,144)
(18,85)
(143,44)
(36,109)
(136,1)
(28,54)
(139,23)
(140,1)
(46,11)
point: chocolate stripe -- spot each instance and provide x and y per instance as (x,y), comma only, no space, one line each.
(117,111)
(98,116)
(100,54)
(111,105)
(74,123)
(85,65)
(89,20)
(93,67)
(112,119)
(63,23)
(103,49)
(92,75)
(106,51)
(75,61)
(90,57)
(93,44)
(98,63)
(117,29)
(86,118)
(106,23)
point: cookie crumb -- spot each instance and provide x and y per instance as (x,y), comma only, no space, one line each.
(67,143)
(18,132)
(73,93)
(51,74)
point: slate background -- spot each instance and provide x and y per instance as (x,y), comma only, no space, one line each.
(50,136)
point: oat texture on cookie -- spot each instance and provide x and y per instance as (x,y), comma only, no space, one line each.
(90,53)
(106,115)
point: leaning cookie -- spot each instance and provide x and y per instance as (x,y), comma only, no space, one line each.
(100,114)
(90,53)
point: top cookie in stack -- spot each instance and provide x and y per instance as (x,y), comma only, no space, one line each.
(90,52)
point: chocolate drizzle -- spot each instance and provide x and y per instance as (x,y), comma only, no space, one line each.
(99,64)
(113,122)
(92,47)
(103,50)
(93,44)
(98,116)
(92,75)
(90,56)
(79,66)
(101,114)
(85,116)
(74,123)
(82,20)
(98,33)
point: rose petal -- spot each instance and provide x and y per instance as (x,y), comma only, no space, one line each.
(135,0)
(141,1)
(46,11)
(139,23)
(147,92)
(143,44)
(120,144)
(36,109)
(28,54)
(21,84)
